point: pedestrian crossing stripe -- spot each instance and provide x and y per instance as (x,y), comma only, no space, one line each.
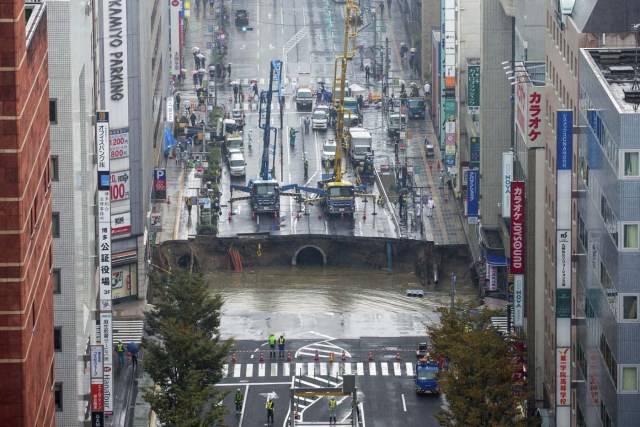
(323,372)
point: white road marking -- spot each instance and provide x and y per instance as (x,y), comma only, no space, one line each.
(397,370)
(274,369)
(286,368)
(299,369)
(323,369)
(372,369)
(360,368)
(409,366)
(249,370)
(237,371)
(404,404)
(261,370)
(334,369)
(384,368)
(225,370)
(347,368)
(311,369)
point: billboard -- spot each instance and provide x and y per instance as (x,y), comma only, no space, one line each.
(473,190)
(97,361)
(517,227)
(529,114)
(518,300)
(174,37)
(121,224)
(106,326)
(114,46)
(507,177)
(119,144)
(473,89)
(474,152)
(159,184)
(120,185)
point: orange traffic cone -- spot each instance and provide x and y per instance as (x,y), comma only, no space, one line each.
(168,200)
(317,356)
(331,357)
(234,359)
(344,356)
(289,357)
(261,359)
(370,357)
(398,356)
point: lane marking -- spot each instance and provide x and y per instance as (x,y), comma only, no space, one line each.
(372,369)
(286,368)
(323,369)
(334,369)
(311,369)
(404,404)
(409,366)
(248,384)
(274,369)
(397,370)
(237,371)
(299,369)
(384,368)
(249,371)
(225,370)
(360,368)
(347,368)
(261,370)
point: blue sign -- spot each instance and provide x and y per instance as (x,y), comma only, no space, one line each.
(594,141)
(564,139)
(473,186)
(104,180)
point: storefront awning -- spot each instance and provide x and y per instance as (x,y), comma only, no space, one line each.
(497,260)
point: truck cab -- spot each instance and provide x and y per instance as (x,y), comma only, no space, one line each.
(339,198)
(416,108)
(265,196)
(360,145)
(396,122)
(426,376)
(232,142)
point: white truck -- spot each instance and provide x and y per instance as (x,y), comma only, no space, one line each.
(360,144)
(304,96)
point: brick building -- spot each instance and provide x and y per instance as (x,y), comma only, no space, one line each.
(26,227)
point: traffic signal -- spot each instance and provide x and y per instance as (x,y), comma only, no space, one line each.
(245,29)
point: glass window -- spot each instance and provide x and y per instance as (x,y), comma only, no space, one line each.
(632,164)
(629,379)
(630,307)
(53,111)
(55,224)
(55,172)
(630,232)
(57,278)
(57,338)
(57,391)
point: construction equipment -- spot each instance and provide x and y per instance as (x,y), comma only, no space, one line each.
(337,195)
(426,376)
(265,191)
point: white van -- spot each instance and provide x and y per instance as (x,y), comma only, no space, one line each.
(237,165)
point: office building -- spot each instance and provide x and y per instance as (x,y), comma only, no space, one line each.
(28,393)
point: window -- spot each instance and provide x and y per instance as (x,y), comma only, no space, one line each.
(53,111)
(57,392)
(629,308)
(57,278)
(631,164)
(630,236)
(54,167)
(57,338)
(55,224)
(628,379)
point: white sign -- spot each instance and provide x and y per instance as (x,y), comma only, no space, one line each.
(104,252)
(518,300)
(97,361)
(119,143)
(104,207)
(174,36)
(563,375)
(120,185)
(121,224)
(493,279)
(102,141)
(106,323)
(507,177)
(170,112)
(115,64)
(563,259)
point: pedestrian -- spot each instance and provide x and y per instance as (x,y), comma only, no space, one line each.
(367,73)
(430,206)
(332,409)
(120,351)
(292,136)
(212,72)
(189,203)
(133,349)
(197,62)
(389,7)
(255,90)
(203,62)
(306,169)
(396,146)
(381,9)
(200,78)
(400,202)
(327,166)
(427,89)
(235,93)
(319,96)
(187,106)
(239,398)
(281,342)
(195,80)
(193,118)
(178,101)
(272,345)
(270,410)
(229,71)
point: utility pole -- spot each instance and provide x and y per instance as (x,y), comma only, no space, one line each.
(375,42)
(453,290)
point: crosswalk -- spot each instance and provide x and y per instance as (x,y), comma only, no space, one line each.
(127,331)
(322,370)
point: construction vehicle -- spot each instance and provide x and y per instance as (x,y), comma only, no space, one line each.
(426,376)
(360,145)
(264,191)
(337,195)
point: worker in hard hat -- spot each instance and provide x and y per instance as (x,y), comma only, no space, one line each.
(239,398)
(281,345)
(272,345)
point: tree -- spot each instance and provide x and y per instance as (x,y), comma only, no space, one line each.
(479,384)
(184,355)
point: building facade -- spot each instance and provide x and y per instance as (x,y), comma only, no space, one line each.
(608,222)
(29,394)
(72,97)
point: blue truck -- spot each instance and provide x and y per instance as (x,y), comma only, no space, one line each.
(426,376)
(416,108)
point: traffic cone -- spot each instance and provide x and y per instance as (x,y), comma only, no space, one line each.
(168,200)
(398,356)
(234,359)
(370,357)
(289,357)
(331,357)
(317,356)
(261,359)
(344,356)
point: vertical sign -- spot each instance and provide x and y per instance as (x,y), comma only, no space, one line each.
(507,176)
(104,252)
(159,184)
(473,89)
(518,300)
(517,227)
(116,79)
(564,145)
(174,36)
(170,112)
(474,152)
(472,196)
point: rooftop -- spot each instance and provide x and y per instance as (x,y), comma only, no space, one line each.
(620,69)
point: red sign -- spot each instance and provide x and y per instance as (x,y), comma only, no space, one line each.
(175,3)
(517,227)
(97,396)
(534,125)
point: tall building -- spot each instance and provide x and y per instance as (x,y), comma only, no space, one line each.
(608,223)
(571,26)
(27,384)
(72,102)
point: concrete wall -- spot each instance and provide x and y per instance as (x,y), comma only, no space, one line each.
(495,109)
(430,21)
(530,30)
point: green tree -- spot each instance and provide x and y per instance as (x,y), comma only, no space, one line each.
(479,384)
(184,354)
